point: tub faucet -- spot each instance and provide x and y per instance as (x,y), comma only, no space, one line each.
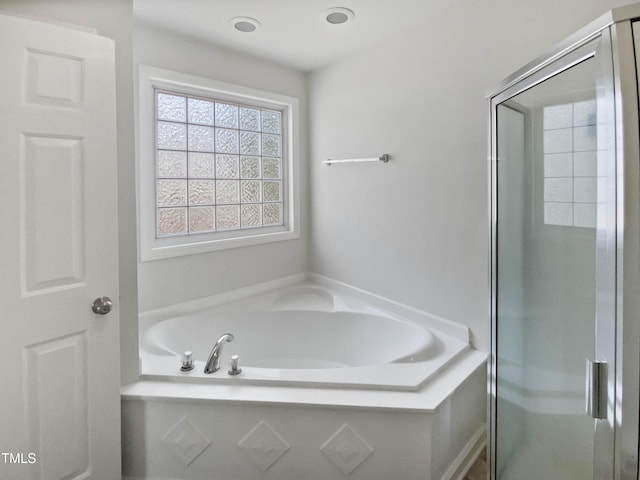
(213,363)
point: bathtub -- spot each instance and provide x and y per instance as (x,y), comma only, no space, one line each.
(336,382)
(305,335)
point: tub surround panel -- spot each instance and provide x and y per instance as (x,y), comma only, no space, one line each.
(365,443)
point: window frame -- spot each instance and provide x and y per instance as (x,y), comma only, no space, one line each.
(151,247)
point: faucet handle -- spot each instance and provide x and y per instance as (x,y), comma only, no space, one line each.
(187,361)
(235,368)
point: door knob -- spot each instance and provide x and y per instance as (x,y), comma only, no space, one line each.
(102,305)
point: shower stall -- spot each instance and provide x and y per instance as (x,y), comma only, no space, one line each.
(565,262)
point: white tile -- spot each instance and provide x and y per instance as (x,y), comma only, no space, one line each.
(558,116)
(584,164)
(558,141)
(558,189)
(584,215)
(558,165)
(584,189)
(584,113)
(558,214)
(584,138)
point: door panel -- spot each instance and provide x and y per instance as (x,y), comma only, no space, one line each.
(547,214)
(58,211)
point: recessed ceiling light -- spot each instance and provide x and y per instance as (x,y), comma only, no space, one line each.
(245,24)
(338,15)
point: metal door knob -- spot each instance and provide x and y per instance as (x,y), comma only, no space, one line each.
(102,305)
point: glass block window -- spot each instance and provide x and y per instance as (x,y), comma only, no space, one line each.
(219,165)
(570,149)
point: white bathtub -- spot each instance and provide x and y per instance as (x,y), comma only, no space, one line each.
(307,335)
(335,382)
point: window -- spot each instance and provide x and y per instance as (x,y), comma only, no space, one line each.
(217,165)
(570,149)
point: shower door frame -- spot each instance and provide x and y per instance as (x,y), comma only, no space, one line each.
(610,41)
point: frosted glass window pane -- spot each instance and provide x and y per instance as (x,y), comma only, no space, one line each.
(250,167)
(171,107)
(584,189)
(249,143)
(226,115)
(202,219)
(172,221)
(272,214)
(227,191)
(249,119)
(558,189)
(584,138)
(584,164)
(172,136)
(172,192)
(200,111)
(584,113)
(226,166)
(200,138)
(584,215)
(558,141)
(251,215)
(271,168)
(172,164)
(250,191)
(558,214)
(201,165)
(558,116)
(228,217)
(226,140)
(271,122)
(271,191)
(271,145)
(201,192)
(558,165)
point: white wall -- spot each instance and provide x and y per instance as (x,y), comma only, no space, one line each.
(113,19)
(416,229)
(166,282)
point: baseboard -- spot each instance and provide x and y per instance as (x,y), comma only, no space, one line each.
(469,454)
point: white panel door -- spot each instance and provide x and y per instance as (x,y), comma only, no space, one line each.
(59,380)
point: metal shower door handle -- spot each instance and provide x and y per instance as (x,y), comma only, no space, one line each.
(102,305)
(596,389)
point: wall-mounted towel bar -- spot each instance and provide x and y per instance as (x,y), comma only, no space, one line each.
(383,158)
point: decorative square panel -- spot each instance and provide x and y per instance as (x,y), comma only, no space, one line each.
(185,441)
(54,79)
(346,449)
(263,446)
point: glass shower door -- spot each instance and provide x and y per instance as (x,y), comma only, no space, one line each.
(546,218)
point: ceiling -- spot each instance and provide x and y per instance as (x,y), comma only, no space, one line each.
(293,32)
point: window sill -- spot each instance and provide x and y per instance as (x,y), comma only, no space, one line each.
(161,249)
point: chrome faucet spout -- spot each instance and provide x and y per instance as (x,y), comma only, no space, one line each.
(213,362)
